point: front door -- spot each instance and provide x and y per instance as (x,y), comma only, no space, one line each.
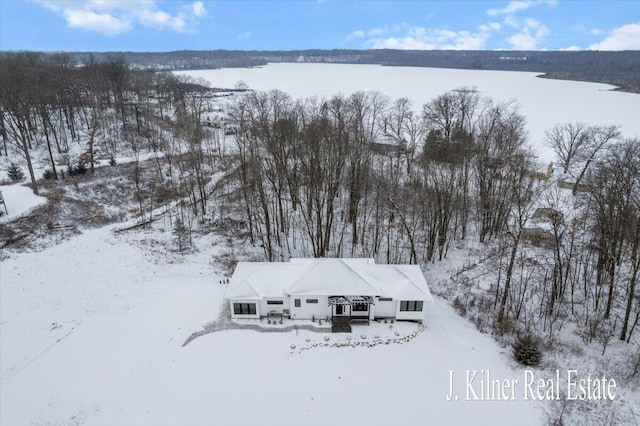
(339,309)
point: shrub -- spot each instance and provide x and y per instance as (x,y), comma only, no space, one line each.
(459,306)
(48,174)
(77,170)
(526,350)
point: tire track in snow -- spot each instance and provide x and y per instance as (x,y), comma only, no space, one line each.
(15,371)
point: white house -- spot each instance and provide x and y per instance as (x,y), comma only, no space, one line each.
(343,290)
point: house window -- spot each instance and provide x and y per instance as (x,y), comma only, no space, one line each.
(244,308)
(275,302)
(312,300)
(385,299)
(360,307)
(411,305)
(296,303)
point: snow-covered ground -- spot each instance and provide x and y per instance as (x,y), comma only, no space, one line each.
(92,332)
(18,200)
(544,102)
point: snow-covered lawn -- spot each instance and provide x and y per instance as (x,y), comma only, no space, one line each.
(92,332)
(18,200)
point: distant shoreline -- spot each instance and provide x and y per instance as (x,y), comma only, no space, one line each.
(617,68)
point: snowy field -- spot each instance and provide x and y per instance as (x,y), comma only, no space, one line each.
(544,102)
(92,332)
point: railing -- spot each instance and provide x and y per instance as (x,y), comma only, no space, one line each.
(360,318)
(341,319)
(346,319)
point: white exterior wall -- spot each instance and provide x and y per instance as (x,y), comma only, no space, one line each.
(319,310)
(266,308)
(410,315)
(386,309)
(257,302)
(322,310)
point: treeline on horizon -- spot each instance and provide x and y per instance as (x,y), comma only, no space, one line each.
(620,68)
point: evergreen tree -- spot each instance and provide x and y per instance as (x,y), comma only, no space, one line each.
(15,173)
(81,168)
(526,350)
(182,235)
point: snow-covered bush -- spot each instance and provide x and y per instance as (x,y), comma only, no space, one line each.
(48,174)
(459,306)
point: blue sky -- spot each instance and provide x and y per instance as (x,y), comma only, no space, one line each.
(148,25)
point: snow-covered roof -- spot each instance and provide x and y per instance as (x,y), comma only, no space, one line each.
(327,277)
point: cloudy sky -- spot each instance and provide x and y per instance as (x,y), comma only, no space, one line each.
(149,25)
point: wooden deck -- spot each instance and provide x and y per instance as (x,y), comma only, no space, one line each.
(340,319)
(342,323)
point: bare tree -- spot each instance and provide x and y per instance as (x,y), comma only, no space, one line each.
(17,100)
(500,139)
(598,140)
(568,141)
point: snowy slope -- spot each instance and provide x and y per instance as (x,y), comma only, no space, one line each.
(92,332)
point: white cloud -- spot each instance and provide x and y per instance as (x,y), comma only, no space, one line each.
(518,6)
(495,26)
(198,9)
(626,37)
(421,38)
(521,33)
(511,21)
(354,35)
(529,37)
(162,20)
(245,36)
(572,48)
(596,31)
(113,17)
(99,22)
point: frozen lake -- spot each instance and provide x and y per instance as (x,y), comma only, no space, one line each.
(544,102)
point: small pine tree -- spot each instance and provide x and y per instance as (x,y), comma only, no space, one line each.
(48,174)
(526,350)
(81,168)
(15,173)
(112,161)
(71,171)
(181,234)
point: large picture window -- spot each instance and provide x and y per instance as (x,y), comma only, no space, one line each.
(411,306)
(360,307)
(312,300)
(244,308)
